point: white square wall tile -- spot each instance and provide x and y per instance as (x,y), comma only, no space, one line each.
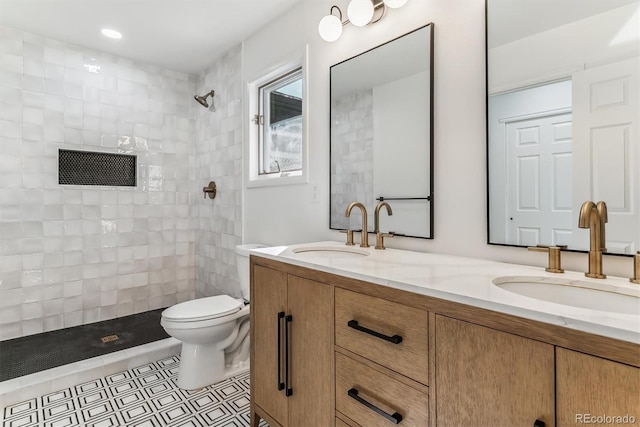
(51,102)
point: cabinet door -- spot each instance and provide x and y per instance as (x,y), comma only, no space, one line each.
(311,347)
(268,298)
(588,386)
(486,377)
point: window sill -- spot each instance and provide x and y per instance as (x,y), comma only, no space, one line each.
(275,180)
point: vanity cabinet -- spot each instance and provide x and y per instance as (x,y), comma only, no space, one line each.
(360,354)
(291,350)
(591,386)
(487,377)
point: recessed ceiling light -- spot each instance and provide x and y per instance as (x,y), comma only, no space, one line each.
(111,33)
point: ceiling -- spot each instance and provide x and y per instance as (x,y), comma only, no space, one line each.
(181,35)
(511,20)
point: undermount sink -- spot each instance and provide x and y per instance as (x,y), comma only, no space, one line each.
(330,252)
(602,297)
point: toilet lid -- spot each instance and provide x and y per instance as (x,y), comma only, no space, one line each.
(203,308)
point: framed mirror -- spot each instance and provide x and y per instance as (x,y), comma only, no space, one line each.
(382,135)
(563,120)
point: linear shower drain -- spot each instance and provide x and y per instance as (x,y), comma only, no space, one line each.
(109,338)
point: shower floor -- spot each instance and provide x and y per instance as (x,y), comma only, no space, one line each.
(35,353)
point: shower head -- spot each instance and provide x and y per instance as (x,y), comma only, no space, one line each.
(202,100)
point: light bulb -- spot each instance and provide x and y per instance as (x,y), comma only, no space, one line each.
(394,4)
(360,12)
(330,28)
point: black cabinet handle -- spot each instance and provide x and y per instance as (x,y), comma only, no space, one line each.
(396,339)
(539,423)
(394,418)
(288,390)
(280,318)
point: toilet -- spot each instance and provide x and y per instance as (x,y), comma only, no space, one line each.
(214,332)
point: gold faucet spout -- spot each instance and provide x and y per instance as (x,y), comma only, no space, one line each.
(604,218)
(376,216)
(590,218)
(365,234)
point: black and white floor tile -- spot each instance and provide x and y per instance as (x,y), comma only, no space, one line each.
(146,396)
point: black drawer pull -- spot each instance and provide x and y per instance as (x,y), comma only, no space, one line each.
(394,418)
(396,339)
(538,423)
(288,390)
(280,319)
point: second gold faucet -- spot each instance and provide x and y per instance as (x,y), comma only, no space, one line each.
(364,243)
(376,222)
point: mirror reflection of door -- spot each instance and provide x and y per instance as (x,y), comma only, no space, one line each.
(539,179)
(532,139)
(608,141)
(563,120)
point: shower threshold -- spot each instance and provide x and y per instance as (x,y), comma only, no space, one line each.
(34,353)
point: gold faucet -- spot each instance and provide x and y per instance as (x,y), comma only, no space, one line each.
(364,243)
(594,217)
(376,222)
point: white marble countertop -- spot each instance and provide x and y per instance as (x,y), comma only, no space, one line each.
(468,281)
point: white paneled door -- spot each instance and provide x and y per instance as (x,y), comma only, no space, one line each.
(607,145)
(539,178)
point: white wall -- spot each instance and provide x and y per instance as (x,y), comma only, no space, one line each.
(286,215)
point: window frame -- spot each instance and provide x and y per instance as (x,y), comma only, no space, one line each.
(253,163)
(264,111)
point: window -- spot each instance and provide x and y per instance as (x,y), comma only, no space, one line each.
(280,125)
(277,149)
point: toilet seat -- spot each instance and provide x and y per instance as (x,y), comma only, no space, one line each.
(202,309)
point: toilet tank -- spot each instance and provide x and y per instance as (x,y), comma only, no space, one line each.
(242,264)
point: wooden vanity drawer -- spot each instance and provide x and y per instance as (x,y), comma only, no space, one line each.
(375,315)
(361,392)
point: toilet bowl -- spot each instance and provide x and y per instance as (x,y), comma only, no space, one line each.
(214,332)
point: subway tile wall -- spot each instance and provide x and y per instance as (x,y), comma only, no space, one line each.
(352,158)
(219,158)
(78,254)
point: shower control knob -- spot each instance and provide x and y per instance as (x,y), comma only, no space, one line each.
(211,190)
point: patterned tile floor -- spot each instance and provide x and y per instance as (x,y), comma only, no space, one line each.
(146,396)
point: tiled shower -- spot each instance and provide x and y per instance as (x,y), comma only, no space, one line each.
(71,255)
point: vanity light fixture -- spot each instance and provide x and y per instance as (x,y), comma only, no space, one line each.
(359,13)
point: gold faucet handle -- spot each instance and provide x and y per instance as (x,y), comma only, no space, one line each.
(636,269)
(349,237)
(554,256)
(545,248)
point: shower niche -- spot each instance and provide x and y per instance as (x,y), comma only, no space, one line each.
(95,168)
